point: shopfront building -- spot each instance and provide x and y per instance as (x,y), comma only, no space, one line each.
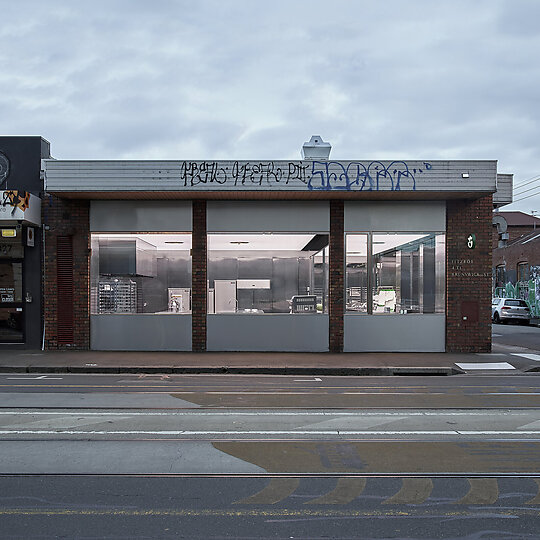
(312,255)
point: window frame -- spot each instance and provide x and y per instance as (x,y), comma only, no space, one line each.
(522,264)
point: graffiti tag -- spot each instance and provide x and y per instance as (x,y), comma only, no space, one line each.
(524,290)
(241,173)
(315,175)
(333,175)
(15,199)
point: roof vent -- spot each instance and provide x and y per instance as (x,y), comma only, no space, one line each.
(316,148)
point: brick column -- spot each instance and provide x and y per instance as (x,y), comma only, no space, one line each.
(198,296)
(468,275)
(336,277)
(67,218)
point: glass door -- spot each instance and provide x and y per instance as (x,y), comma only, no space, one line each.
(11,301)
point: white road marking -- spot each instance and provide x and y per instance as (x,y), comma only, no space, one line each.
(64,423)
(267,432)
(316,379)
(514,394)
(535,424)
(485,365)
(195,412)
(40,378)
(535,357)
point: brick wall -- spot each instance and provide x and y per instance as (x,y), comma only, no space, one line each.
(514,232)
(337,268)
(198,297)
(510,256)
(468,291)
(67,218)
(468,271)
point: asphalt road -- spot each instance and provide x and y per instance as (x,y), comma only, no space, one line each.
(489,390)
(516,335)
(177,456)
(247,508)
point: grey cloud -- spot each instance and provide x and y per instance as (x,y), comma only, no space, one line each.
(243,79)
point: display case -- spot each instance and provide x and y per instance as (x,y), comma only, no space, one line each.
(118,295)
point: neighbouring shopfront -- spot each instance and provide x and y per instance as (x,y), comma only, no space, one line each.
(21,242)
(311,255)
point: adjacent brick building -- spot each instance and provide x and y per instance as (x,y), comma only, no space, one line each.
(516,263)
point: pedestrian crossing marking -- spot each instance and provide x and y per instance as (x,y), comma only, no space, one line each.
(346,490)
(534,357)
(277,490)
(467,366)
(482,491)
(536,499)
(413,491)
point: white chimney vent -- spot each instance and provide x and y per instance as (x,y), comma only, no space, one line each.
(316,148)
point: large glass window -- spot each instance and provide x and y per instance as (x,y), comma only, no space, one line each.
(267,273)
(141,273)
(403,272)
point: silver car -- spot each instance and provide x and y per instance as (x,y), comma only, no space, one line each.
(510,309)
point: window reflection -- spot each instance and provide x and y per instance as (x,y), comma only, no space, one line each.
(267,273)
(357,273)
(404,272)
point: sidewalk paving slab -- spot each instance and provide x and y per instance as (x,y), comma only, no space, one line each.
(271,363)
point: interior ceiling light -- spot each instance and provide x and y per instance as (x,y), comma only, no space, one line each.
(9,233)
(465,175)
(173,242)
(238,242)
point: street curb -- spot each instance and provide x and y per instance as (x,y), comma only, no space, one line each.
(240,370)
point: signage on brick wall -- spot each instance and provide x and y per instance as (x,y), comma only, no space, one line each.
(471,241)
(463,268)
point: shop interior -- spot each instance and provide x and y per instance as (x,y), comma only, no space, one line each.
(403,272)
(247,273)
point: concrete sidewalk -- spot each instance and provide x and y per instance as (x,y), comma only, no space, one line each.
(26,361)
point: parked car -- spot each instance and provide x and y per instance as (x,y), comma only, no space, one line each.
(510,309)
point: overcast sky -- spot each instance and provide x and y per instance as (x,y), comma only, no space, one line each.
(247,79)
